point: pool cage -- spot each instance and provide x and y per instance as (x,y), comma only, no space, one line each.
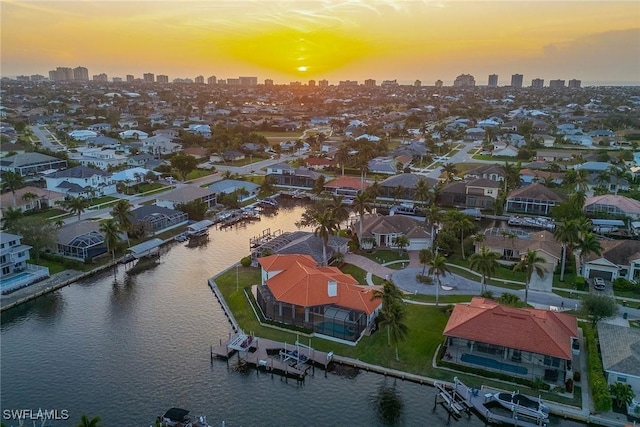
(330,320)
(84,246)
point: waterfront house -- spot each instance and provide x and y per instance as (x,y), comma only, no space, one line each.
(477,193)
(27,164)
(553,156)
(302,243)
(402,186)
(620,351)
(486,335)
(81,240)
(346,186)
(30,199)
(156,219)
(16,272)
(296,291)
(619,258)
(529,176)
(535,199)
(244,190)
(81,181)
(286,175)
(384,229)
(186,194)
(133,134)
(609,205)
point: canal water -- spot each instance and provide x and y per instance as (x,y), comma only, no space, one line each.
(127,350)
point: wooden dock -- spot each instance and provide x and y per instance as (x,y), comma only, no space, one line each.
(291,360)
(481,400)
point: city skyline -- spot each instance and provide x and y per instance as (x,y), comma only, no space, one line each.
(299,41)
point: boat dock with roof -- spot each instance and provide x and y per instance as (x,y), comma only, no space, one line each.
(458,399)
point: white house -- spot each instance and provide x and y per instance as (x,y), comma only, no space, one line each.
(619,258)
(385,229)
(16,272)
(186,194)
(133,134)
(81,181)
(98,158)
(82,134)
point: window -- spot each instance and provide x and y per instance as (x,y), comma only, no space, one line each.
(622,379)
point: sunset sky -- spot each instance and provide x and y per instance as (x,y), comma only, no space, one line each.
(595,41)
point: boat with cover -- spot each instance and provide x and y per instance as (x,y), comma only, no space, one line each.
(178,417)
(523,405)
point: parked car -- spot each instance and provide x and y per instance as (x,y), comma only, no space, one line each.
(598,284)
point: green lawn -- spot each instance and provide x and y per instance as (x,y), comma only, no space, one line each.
(98,201)
(199,173)
(48,213)
(359,274)
(382,256)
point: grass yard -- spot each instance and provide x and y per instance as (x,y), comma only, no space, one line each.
(382,256)
(199,173)
(359,274)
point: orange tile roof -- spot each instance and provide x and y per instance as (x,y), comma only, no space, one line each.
(538,331)
(282,262)
(302,283)
(347,182)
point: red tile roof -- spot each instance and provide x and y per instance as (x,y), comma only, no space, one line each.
(347,182)
(302,283)
(538,331)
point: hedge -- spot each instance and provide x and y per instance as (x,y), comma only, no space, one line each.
(599,389)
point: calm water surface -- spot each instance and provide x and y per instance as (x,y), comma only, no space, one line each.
(129,350)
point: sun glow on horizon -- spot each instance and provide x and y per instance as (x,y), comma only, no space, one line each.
(303,68)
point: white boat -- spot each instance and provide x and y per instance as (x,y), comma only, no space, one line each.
(178,417)
(523,405)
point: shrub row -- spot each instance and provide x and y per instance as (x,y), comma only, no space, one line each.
(597,382)
(69,264)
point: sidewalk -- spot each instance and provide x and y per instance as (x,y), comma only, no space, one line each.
(371,267)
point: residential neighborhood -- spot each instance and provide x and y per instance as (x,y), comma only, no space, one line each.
(510,215)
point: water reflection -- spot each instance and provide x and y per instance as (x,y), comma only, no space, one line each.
(47,307)
(388,403)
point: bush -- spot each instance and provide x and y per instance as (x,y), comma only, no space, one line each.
(427,280)
(576,377)
(621,284)
(569,385)
(246,261)
(580,283)
(599,389)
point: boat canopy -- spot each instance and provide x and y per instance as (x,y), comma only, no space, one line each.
(176,414)
(608,222)
(145,248)
(199,226)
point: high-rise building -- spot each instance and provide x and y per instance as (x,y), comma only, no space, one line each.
(417,83)
(295,84)
(556,84)
(389,83)
(37,77)
(199,80)
(233,82)
(117,79)
(130,78)
(211,80)
(439,83)
(268,82)
(222,82)
(575,84)
(248,81)
(464,80)
(148,77)
(22,78)
(516,80)
(311,83)
(350,83)
(80,74)
(369,83)
(537,83)
(323,83)
(61,74)
(162,78)
(102,77)
(493,80)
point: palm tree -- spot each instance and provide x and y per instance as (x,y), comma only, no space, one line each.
(338,209)
(121,212)
(433,215)
(86,422)
(77,205)
(323,221)
(567,234)
(461,223)
(529,263)
(450,171)
(588,244)
(421,192)
(12,181)
(425,255)
(398,193)
(603,177)
(401,242)
(484,262)
(373,190)
(391,296)
(361,206)
(394,319)
(618,174)
(342,155)
(29,196)
(438,268)
(622,393)
(111,232)
(511,175)
(9,217)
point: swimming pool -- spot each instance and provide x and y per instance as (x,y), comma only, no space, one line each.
(493,364)
(8,283)
(337,330)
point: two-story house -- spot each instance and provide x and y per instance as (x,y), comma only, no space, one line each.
(15,271)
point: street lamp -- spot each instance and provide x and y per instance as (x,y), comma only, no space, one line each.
(237,277)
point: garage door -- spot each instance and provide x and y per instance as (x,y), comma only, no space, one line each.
(606,275)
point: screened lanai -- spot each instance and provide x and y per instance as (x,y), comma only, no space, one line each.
(84,246)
